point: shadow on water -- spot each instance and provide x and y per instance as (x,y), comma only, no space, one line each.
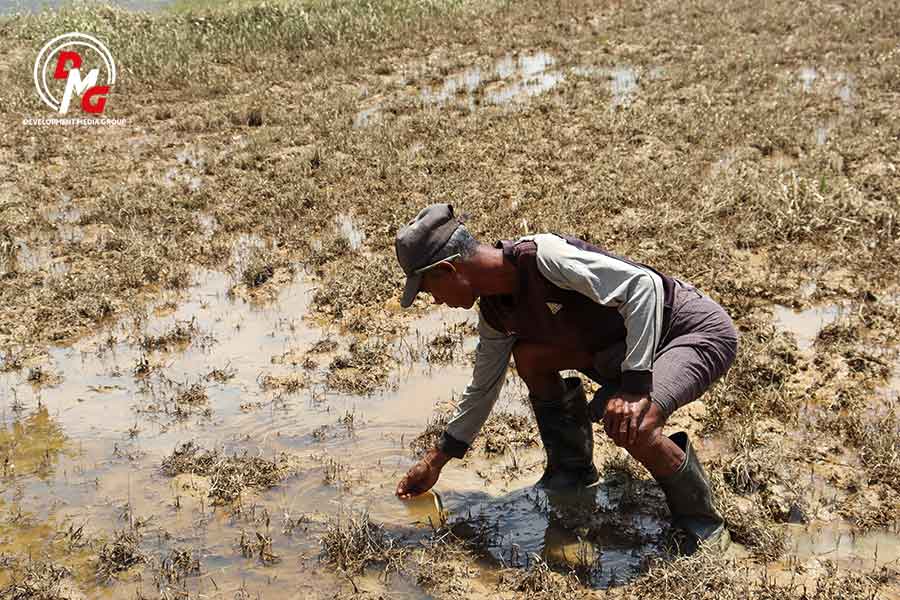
(605,534)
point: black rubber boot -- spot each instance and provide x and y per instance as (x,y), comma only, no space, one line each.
(690,502)
(565,427)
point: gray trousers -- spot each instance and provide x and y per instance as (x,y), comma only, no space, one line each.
(698,348)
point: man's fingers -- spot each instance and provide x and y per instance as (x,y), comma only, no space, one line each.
(623,429)
(612,420)
(635,423)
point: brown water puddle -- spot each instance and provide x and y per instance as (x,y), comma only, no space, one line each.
(511,79)
(813,550)
(805,325)
(87,450)
(837,83)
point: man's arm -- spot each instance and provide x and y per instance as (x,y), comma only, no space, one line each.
(491,362)
(488,376)
(636,292)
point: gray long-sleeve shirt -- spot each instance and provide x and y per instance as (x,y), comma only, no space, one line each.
(636,292)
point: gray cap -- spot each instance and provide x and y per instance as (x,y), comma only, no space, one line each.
(419,244)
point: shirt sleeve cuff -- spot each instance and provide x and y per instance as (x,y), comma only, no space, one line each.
(451,446)
(637,382)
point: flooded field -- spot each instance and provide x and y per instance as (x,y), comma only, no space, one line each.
(208,388)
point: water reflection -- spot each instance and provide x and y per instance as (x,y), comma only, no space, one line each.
(511,78)
(30,445)
(805,325)
(599,532)
(836,83)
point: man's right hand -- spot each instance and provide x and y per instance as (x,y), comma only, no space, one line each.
(423,475)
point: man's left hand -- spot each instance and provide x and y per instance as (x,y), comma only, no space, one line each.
(624,418)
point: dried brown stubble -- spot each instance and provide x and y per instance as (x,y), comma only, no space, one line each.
(503,431)
(539,582)
(229,475)
(692,105)
(179,336)
(352,542)
(758,381)
(708,576)
(120,553)
(362,369)
(38,580)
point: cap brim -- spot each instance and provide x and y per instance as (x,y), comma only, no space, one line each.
(413,282)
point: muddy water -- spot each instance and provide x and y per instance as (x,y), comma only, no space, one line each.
(812,551)
(805,325)
(87,449)
(836,83)
(510,80)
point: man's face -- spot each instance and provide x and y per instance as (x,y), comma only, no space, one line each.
(448,285)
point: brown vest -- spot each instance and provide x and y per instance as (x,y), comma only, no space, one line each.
(571,320)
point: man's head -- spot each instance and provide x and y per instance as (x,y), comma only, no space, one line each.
(433,249)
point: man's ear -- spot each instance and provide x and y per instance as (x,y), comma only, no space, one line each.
(444,268)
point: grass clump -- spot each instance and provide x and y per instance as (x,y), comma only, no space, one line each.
(229,475)
(362,370)
(259,268)
(120,554)
(540,582)
(708,576)
(260,546)
(178,336)
(41,580)
(505,431)
(502,432)
(179,402)
(290,383)
(177,565)
(442,348)
(352,542)
(444,565)
(879,450)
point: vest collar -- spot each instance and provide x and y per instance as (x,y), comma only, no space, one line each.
(509,252)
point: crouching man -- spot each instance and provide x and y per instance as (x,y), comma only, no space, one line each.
(557,303)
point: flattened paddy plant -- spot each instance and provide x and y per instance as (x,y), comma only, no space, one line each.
(40,580)
(229,474)
(352,541)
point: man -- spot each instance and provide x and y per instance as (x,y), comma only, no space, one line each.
(652,342)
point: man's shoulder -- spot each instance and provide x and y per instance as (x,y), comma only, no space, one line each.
(545,244)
